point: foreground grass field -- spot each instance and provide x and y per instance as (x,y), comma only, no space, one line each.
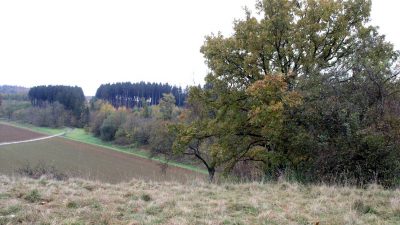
(77,159)
(28,201)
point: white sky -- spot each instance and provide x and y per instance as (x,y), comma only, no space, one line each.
(90,42)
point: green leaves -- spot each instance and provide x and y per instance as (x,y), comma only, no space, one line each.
(300,85)
(167,104)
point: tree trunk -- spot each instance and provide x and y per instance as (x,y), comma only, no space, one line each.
(211,173)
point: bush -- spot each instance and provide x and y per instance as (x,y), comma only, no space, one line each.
(41,170)
(145,197)
(135,129)
(107,130)
(111,124)
(161,139)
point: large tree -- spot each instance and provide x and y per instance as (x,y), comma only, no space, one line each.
(291,53)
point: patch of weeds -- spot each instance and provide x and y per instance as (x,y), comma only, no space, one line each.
(229,188)
(301,220)
(43,182)
(41,169)
(77,223)
(247,209)
(154,210)
(395,215)
(170,204)
(284,186)
(33,196)
(232,222)
(346,193)
(10,210)
(4,195)
(158,220)
(72,205)
(145,197)
(271,222)
(129,195)
(89,187)
(363,208)
(95,205)
(4,220)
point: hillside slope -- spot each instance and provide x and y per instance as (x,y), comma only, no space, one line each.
(44,201)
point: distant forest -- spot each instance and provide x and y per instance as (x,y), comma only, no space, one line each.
(9,92)
(12,90)
(131,95)
(71,97)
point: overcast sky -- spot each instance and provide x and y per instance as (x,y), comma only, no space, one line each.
(90,42)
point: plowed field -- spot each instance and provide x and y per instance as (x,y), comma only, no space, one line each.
(10,134)
(82,160)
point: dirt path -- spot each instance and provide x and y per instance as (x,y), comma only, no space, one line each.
(31,140)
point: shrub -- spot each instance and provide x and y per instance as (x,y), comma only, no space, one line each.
(107,130)
(33,196)
(72,205)
(145,197)
(362,208)
(111,124)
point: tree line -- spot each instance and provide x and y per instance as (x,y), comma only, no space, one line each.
(131,95)
(12,90)
(72,98)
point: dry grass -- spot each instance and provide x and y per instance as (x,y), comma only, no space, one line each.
(44,201)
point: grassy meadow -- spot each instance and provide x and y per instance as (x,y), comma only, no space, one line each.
(27,201)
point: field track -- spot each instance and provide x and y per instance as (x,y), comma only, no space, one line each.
(84,160)
(31,140)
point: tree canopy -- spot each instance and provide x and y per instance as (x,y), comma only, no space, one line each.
(306,85)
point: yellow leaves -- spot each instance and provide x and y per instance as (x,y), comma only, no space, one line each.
(276,107)
(273,89)
(270,86)
(107,108)
(257,152)
(123,109)
(269,98)
(292,99)
(216,150)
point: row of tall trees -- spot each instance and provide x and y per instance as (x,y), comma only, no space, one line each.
(131,95)
(72,98)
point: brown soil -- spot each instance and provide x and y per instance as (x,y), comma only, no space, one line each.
(10,134)
(86,161)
